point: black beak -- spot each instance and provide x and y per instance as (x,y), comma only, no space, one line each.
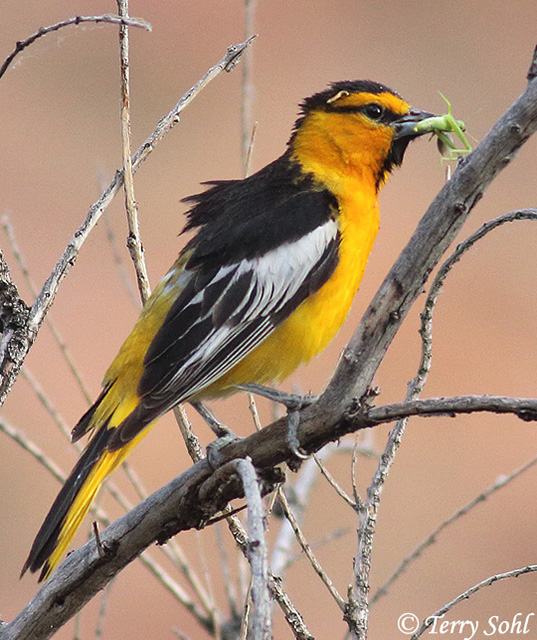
(404,129)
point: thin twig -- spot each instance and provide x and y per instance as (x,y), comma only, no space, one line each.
(177,592)
(252,405)
(118,262)
(246,614)
(191,440)
(292,615)
(257,551)
(523,408)
(309,553)
(27,445)
(229,587)
(500,483)
(47,403)
(134,241)
(250,150)
(306,479)
(247,88)
(332,482)
(426,329)
(430,620)
(206,594)
(321,542)
(43,31)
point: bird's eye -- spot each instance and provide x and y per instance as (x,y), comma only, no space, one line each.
(373,111)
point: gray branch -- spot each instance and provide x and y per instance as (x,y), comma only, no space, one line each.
(257,551)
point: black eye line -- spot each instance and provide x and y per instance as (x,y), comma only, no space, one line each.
(388,116)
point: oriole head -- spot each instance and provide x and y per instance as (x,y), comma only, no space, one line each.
(358,127)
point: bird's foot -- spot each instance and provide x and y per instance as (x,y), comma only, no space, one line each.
(293,403)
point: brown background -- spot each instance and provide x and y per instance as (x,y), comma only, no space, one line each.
(59,132)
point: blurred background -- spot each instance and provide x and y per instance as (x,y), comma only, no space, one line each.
(60,134)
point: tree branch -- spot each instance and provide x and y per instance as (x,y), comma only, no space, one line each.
(430,620)
(134,241)
(257,551)
(189,501)
(43,31)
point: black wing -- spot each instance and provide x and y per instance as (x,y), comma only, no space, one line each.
(221,315)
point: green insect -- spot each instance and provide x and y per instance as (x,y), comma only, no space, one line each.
(442,126)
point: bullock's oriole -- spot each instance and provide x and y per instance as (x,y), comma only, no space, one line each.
(263,286)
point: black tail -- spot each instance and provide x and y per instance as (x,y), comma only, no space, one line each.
(48,536)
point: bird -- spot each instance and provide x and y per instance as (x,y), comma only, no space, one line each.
(262,286)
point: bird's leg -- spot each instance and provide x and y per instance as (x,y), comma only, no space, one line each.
(219,429)
(224,435)
(293,403)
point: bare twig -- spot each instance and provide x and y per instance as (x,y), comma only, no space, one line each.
(321,542)
(432,537)
(429,621)
(27,445)
(120,266)
(192,443)
(250,150)
(229,587)
(246,615)
(523,408)
(47,403)
(292,616)
(257,551)
(309,553)
(175,589)
(255,413)
(43,31)
(134,241)
(247,133)
(306,479)
(205,593)
(332,482)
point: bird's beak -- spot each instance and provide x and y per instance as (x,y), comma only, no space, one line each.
(405,126)
(404,132)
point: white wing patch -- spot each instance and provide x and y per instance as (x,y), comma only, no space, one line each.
(253,300)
